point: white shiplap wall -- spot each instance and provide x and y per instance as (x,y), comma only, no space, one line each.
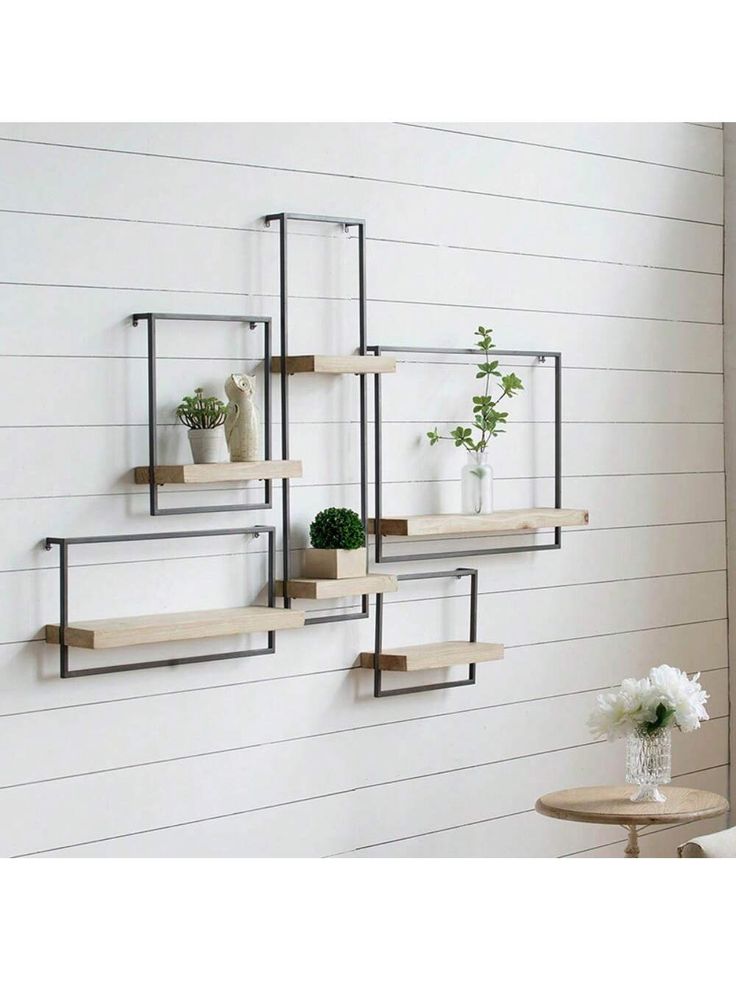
(602,240)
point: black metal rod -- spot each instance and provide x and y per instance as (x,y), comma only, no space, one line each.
(378,690)
(64,543)
(252,321)
(328,219)
(63,610)
(283,218)
(215,317)
(284,352)
(463,350)
(465,553)
(159,535)
(379,553)
(152,432)
(171,661)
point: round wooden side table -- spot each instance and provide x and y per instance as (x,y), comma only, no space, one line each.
(611,805)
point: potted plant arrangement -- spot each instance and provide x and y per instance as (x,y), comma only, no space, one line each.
(203,416)
(338,547)
(644,711)
(477,475)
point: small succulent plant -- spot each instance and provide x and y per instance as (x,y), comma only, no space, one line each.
(200,412)
(337,528)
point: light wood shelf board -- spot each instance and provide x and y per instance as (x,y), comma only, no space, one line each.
(425,656)
(520,519)
(337,588)
(215,473)
(328,364)
(158,627)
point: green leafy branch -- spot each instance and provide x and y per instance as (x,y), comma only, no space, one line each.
(488,420)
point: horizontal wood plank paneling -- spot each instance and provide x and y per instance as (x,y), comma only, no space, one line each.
(112,392)
(603,241)
(336,822)
(149,189)
(668,144)
(45,249)
(403,154)
(34,320)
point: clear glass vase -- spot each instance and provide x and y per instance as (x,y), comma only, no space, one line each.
(649,763)
(477,485)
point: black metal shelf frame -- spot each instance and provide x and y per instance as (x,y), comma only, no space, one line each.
(252,322)
(284,219)
(378,690)
(64,543)
(541,357)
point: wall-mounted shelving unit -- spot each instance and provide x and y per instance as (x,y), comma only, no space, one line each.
(215,473)
(155,628)
(361,365)
(518,520)
(155,474)
(328,364)
(422,657)
(99,635)
(368,585)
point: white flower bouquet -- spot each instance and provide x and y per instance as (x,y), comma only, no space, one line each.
(665,698)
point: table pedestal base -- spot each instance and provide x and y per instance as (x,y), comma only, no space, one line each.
(632,845)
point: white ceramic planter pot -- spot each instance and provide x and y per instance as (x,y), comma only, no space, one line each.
(208,445)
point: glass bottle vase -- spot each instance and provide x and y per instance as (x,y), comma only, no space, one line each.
(477,485)
(649,763)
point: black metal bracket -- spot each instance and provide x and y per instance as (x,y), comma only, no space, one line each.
(66,672)
(541,357)
(378,690)
(283,219)
(151,320)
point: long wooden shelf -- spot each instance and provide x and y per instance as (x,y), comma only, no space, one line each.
(215,473)
(127,631)
(426,656)
(337,588)
(329,364)
(521,519)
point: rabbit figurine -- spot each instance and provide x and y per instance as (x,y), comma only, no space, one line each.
(242,425)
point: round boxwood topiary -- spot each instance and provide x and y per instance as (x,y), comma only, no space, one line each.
(337,528)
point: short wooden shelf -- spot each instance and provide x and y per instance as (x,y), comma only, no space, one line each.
(426,656)
(521,519)
(215,473)
(328,364)
(336,588)
(127,631)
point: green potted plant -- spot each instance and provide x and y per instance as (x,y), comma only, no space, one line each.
(338,547)
(203,416)
(476,476)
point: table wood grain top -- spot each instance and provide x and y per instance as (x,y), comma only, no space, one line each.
(611,805)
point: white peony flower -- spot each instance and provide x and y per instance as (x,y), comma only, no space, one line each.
(618,713)
(682,695)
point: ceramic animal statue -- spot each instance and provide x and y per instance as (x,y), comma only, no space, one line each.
(242,425)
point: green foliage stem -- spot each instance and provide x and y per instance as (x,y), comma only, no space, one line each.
(487,418)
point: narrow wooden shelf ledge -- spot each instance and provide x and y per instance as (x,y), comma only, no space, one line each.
(426,656)
(97,635)
(328,364)
(522,519)
(336,588)
(215,473)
